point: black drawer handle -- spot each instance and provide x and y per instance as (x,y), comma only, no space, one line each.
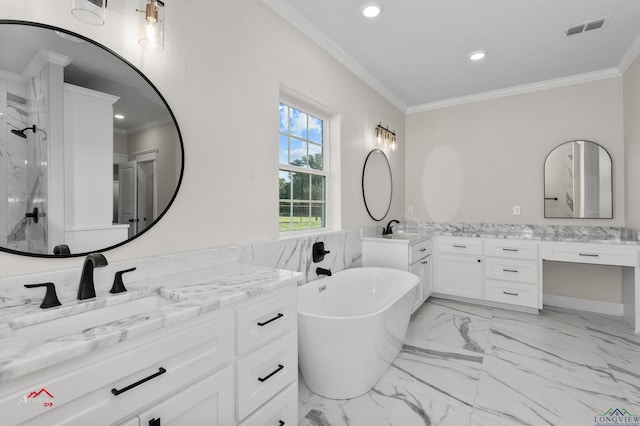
(117,392)
(459,246)
(509,249)
(280,367)
(509,270)
(423,249)
(589,254)
(262,324)
(510,294)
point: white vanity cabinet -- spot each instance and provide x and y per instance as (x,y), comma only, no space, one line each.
(215,369)
(513,272)
(406,255)
(460,268)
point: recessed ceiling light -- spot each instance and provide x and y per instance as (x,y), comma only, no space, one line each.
(371,9)
(477,55)
(119,116)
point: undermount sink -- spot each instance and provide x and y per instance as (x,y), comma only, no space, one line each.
(77,322)
(404,234)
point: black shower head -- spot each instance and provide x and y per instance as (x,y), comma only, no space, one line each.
(21,132)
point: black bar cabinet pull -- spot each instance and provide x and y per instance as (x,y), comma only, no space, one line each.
(280,367)
(262,324)
(509,270)
(551,198)
(510,294)
(589,254)
(459,246)
(509,249)
(117,392)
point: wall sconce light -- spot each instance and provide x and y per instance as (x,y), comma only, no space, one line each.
(151,34)
(389,137)
(89,11)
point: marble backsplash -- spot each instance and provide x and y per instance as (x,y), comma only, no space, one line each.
(292,254)
(501,228)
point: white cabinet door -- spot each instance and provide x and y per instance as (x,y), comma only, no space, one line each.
(416,268)
(422,268)
(207,402)
(460,275)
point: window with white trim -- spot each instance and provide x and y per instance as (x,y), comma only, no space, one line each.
(303,169)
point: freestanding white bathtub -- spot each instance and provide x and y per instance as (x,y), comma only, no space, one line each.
(351,327)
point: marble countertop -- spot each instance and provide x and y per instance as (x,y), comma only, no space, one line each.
(412,236)
(190,294)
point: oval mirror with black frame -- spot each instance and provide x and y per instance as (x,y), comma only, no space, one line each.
(578,182)
(377,184)
(91,155)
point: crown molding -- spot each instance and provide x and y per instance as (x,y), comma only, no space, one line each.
(295,18)
(630,56)
(517,90)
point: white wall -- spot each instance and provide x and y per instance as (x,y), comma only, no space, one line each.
(221,72)
(632,143)
(473,162)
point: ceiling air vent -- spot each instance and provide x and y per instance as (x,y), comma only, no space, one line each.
(584,26)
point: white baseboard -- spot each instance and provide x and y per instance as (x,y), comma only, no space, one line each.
(610,308)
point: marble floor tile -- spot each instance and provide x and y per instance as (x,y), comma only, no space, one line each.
(530,394)
(457,328)
(465,364)
(559,338)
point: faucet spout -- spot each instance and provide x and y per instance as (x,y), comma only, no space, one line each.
(86,289)
(323,271)
(389,229)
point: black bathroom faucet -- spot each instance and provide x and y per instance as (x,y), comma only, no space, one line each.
(389,229)
(323,271)
(86,289)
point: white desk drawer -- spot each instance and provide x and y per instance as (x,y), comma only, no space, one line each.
(419,250)
(281,410)
(523,271)
(516,249)
(511,293)
(598,254)
(265,372)
(262,322)
(461,245)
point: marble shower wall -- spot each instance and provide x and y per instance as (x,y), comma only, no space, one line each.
(14,169)
(37,182)
(23,164)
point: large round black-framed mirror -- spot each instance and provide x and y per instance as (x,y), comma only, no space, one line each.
(76,173)
(377,184)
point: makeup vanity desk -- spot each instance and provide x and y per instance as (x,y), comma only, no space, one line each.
(503,267)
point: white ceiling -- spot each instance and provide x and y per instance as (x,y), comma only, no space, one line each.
(416,52)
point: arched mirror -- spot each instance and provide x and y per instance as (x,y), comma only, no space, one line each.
(578,182)
(377,184)
(90,153)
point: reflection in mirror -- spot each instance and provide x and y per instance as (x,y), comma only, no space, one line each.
(377,184)
(578,182)
(86,141)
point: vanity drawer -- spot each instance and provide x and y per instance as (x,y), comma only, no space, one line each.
(141,376)
(523,271)
(461,245)
(516,249)
(262,322)
(512,293)
(281,410)
(599,254)
(419,250)
(265,372)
